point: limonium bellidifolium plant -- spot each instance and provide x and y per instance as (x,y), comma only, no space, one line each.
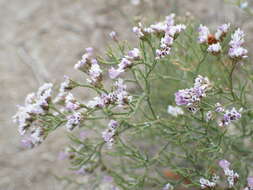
(175,111)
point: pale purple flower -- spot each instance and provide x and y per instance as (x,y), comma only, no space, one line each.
(166,41)
(219,108)
(229,116)
(96,102)
(27,142)
(125,63)
(95,73)
(30,98)
(173,30)
(238,52)
(175,110)
(134,54)
(224,164)
(138,31)
(37,135)
(73,121)
(71,103)
(203,34)
(221,31)
(114,73)
(170,20)
(85,62)
(160,53)
(159,27)
(113,124)
(192,96)
(250,182)
(214,48)
(109,133)
(113,35)
(237,38)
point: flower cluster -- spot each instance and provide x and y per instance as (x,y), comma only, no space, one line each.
(89,65)
(167,28)
(36,104)
(232,176)
(126,62)
(192,96)
(73,121)
(236,51)
(65,87)
(212,40)
(205,183)
(249,184)
(229,116)
(118,96)
(109,133)
(171,31)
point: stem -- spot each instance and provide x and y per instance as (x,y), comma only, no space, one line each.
(231,81)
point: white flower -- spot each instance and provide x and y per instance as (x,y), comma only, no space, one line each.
(214,48)
(203,34)
(175,111)
(221,31)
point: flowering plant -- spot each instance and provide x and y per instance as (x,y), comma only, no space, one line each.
(127,134)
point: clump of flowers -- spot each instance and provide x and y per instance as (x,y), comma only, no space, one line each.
(191,97)
(125,129)
(27,117)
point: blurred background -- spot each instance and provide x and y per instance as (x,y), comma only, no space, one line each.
(41,40)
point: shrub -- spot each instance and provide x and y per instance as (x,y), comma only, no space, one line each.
(126,130)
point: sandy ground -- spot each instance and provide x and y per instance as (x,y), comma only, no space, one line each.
(40,40)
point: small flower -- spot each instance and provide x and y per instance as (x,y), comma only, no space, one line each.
(224,164)
(109,133)
(219,108)
(238,52)
(27,142)
(175,111)
(214,48)
(114,73)
(73,121)
(134,54)
(159,27)
(95,73)
(205,183)
(250,182)
(232,176)
(138,30)
(168,186)
(222,31)
(85,62)
(237,38)
(229,116)
(71,103)
(113,35)
(203,34)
